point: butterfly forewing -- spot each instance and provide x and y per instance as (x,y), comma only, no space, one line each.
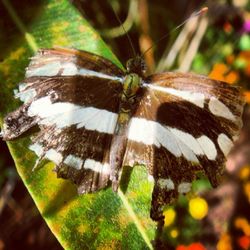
(62,61)
(74,98)
(183,124)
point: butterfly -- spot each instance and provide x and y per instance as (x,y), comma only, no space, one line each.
(95,118)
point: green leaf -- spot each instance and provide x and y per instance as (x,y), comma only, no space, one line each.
(244,43)
(104,220)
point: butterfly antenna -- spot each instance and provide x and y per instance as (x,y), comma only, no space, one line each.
(129,39)
(194,14)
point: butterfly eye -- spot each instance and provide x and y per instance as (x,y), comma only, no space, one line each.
(129,65)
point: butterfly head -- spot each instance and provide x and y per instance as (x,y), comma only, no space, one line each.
(137,65)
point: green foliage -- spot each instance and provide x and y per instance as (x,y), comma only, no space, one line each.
(93,221)
(245,42)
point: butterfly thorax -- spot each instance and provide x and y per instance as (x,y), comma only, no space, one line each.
(131,85)
(136,69)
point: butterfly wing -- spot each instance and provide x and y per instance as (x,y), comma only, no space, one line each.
(68,62)
(74,98)
(184,124)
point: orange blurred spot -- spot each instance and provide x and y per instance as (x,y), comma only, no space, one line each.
(196,246)
(218,72)
(247,70)
(230,59)
(245,54)
(242,223)
(221,68)
(224,243)
(181,247)
(244,242)
(193,246)
(247,192)
(2,245)
(221,72)
(227,27)
(244,173)
(232,77)
(247,96)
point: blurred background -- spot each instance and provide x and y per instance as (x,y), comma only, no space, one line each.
(216,44)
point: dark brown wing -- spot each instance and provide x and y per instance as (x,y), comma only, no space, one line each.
(63,61)
(74,98)
(184,123)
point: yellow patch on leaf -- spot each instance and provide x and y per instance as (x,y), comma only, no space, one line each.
(123,218)
(15,55)
(57,29)
(5,69)
(82,228)
(82,28)
(110,245)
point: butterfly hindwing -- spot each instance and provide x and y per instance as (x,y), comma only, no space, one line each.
(184,124)
(79,154)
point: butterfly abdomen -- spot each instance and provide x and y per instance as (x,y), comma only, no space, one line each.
(129,97)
